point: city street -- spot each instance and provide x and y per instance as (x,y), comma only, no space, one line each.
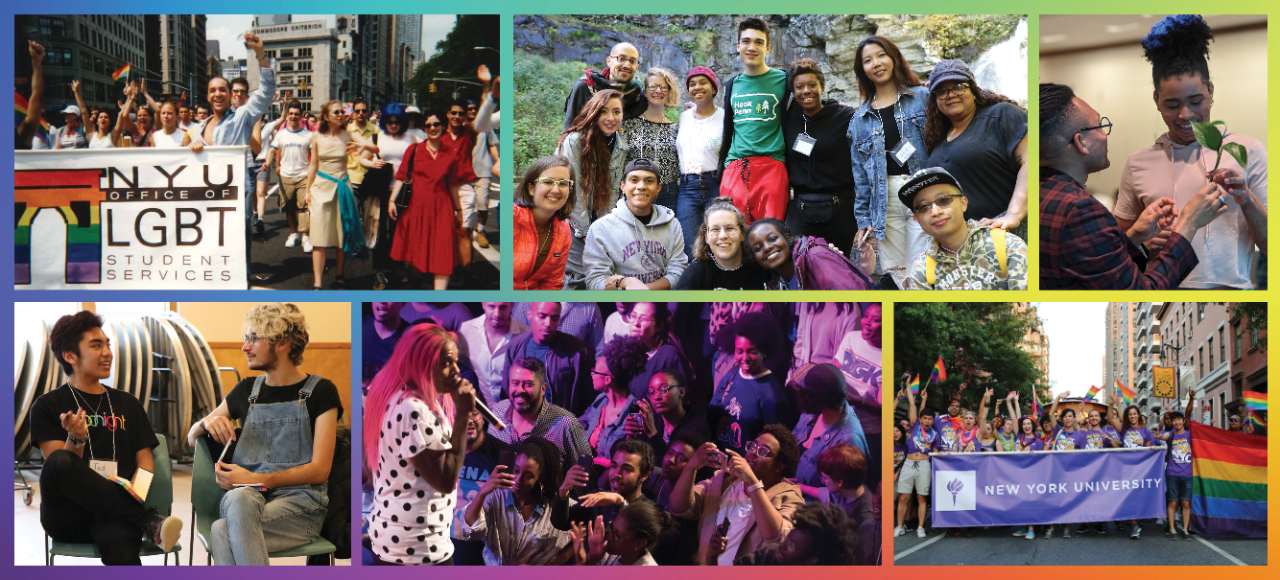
(997,547)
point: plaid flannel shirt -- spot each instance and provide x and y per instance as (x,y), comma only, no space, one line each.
(1082,246)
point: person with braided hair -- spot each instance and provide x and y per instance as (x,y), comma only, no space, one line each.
(1177,166)
(512,512)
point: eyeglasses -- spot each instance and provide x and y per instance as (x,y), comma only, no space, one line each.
(761,451)
(664,388)
(959,89)
(943,201)
(626,59)
(436,124)
(723,231)
(663,88)
(636,319)
(1105,126)
(600,374)
(251,339)
(551,182)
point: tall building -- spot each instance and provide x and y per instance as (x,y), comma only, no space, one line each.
(233,68)
(176,50)
(1035,342)
(1196,334)
(1121,340)
(409,33)
(306,55)
(1248,369)
(1147,351)
(271,19)
(82,47)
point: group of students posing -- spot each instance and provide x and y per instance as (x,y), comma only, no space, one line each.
(778,188)
(924,432)
(771,465)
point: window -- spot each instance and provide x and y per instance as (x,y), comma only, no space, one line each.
(304,79)
(304,65)
(1253,338)
(304,52)
(1239,341)
(304,94)
(1201,351)
(269,54)
(1199,311)
(1222,345)
(51,27)
(58,57)
(286,53)
(1210,354)
(286,67)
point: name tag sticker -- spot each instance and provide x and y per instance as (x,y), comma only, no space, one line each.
(902,152)
(104,468)
(804,144)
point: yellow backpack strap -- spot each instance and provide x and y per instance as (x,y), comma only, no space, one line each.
(1002,254)
(930,269)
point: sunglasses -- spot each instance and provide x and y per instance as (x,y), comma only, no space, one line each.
(436,124)
(943,201)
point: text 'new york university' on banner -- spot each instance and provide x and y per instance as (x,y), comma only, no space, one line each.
(129,218)
(1060,487)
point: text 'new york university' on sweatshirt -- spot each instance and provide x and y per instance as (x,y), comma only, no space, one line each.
(621,244)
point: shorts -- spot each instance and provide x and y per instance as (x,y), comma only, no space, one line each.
(290,187)
(758,187)
(474,197)
(915,476)
(1179,488)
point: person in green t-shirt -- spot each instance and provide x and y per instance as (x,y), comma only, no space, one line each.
(751,153)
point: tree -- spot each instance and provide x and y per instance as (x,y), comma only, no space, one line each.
(978,341)
(456,57)
(1256,313)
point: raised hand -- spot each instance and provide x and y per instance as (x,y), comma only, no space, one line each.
(37,51)
(75,87)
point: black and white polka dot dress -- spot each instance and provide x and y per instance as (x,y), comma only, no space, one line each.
(410,522)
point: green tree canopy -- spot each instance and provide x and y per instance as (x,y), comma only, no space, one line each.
(456,57)
(978,341)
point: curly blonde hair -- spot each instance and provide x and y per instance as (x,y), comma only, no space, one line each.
(673,85)
(280,322)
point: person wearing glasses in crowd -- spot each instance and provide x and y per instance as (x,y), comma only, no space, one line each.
(652,323)
(1082,246)
(981,138)
(639,246)
(330,203)
(963,254)
(624,63)
(698,147)
(393,141)
(460,135)
(720,259)
(752,150)
(544,202)
(664,414)
(604,421)
(1176,166)
(597,154)
(653,136)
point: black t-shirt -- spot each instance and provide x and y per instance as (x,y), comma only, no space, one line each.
(375,350)
(982,158)
(891,138)
(704,275)
(115,418)
(323,398)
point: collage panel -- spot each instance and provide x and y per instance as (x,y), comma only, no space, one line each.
(1134,432)
(1161,185)
(122,407)
(815,152)
(238,151)
(643,433)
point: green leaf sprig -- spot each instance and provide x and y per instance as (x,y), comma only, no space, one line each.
(1208,135)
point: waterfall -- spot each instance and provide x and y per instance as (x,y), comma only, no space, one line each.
(1003,69)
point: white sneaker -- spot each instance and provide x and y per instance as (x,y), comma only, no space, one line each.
(920,532)
(899,531)
(291,241)
(306,244)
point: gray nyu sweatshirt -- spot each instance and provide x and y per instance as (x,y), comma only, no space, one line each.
(620,244)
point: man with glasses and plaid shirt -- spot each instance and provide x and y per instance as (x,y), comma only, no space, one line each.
(963,255)
(1081,244)
(623,61)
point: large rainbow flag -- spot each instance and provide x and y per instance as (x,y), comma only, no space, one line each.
(1126,392)
(1229,483)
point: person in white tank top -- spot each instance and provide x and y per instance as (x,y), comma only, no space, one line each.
(105,135)
(169,135)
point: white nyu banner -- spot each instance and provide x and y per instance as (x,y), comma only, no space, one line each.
(137,218)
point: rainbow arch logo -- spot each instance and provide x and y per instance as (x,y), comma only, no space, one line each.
(76,195)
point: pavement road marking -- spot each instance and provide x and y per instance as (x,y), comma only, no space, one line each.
(1224,553)
(930,541)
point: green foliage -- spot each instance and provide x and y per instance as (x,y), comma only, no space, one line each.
(951,32)
(456,57)
(584,36)
(1256,312)
(979,343)
(541,87)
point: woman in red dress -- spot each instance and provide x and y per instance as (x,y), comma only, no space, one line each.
(426,232)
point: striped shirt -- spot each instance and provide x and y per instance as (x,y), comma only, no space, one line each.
(555,424)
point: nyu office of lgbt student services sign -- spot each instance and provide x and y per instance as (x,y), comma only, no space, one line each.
(136,218)
(1057,487)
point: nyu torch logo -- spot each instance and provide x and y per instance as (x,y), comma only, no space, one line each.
(954,487)
(962,486)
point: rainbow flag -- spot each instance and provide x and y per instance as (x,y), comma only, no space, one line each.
(20,106)
(1126,392)
(1093,392)
(914,385)
(122,73)
(1036,409)
(1255,401)
(940,370)
(1228,483)
(1256,420)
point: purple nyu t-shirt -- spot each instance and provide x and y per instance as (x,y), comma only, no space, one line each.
(1064,440)
(1179,454)
(919,440)
(1137,437)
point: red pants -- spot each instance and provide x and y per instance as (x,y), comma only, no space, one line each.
(758,186)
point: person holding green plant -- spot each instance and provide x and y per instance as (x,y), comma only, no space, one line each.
(1194,153)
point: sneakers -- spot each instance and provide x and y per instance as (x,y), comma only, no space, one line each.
(1182,534)
(920,532)
(1101,529)
(260,226)
(1066,532)
(1031,534)
(306,244)
(163,531)
(292,240)
(1137,531)
(1172,536)
(481,241)
(1048,534)
(899,531)
(1021,532)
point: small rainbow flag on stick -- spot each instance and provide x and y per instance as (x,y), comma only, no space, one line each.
(1126,392)
(122,73)
(1255,401)
(1093,392)
(914,385)
(1036,409)
(1256,420)
(940,370)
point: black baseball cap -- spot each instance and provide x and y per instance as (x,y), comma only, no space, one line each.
(926,177)
(642,164)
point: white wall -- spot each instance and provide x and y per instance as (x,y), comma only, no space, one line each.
(1117,82)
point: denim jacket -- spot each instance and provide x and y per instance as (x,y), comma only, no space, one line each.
(848,432)
(866,145)
(580,219)
(609,434)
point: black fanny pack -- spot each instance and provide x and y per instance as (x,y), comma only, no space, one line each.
(817,208)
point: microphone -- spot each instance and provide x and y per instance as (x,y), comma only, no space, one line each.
(489,416)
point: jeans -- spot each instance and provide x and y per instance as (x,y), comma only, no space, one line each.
(250,197)
(254,523)
(697,191)
(77,505)
(575,273)
(668,195)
